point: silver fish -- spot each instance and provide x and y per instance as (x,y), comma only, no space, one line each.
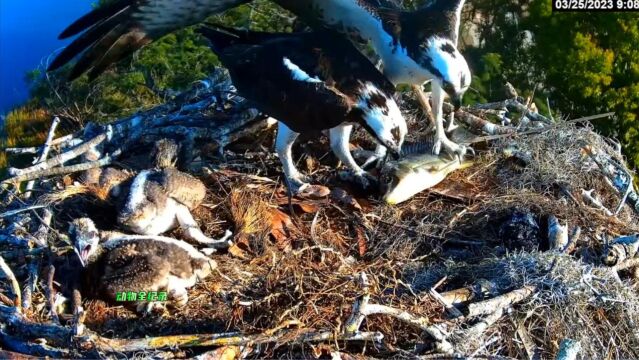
(418,169)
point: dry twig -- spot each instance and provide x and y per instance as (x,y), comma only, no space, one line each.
(499,302)
(15,286)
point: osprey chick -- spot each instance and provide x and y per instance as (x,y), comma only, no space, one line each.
(122,263)
(161,199)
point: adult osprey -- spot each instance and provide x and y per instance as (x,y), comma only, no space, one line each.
(415,46)
(311,81)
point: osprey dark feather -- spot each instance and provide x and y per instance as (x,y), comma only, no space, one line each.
(415,46)
(311,82)
(292,75)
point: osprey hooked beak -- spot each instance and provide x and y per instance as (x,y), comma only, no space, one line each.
(457,101)
(394,150)
(456,96)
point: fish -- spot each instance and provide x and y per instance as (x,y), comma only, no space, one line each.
(416,170)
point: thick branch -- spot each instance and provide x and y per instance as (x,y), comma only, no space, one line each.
(17,211)
(298,336)
(32,280)
(50,293)
(450,308)
(362,309)
(61,336)
(62,158)
(63,170)
(478,124)
(513,104)
(500,302)
(59,143)
(476,330)
(15,344)
(15,286)
(592,200)
(620,177)
(26,329)
(43,154)
(34,261)
(14,240)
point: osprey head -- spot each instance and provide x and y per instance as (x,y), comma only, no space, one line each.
(138,212)
(441,58)
(381,117)
(85,237)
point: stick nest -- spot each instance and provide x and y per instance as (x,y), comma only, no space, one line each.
(296,265)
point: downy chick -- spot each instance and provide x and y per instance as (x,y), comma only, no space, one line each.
(132,263)
(162,198)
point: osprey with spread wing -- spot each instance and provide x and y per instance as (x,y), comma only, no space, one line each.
(415,46)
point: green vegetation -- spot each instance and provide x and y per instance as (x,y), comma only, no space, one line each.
(23,127)
(171,63)
(585,63)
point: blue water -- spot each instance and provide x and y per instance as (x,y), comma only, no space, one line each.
(28,35)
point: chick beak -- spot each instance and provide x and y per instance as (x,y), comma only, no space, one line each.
(83,255)
(82,261)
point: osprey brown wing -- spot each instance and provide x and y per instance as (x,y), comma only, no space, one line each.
(112,32)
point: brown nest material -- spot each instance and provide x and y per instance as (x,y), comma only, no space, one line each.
(298,272)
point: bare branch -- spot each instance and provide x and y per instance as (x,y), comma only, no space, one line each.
(63,170)
(62,158)
(15,286)
(499,302)
(43,154)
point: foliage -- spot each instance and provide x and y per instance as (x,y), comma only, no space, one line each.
(170,64)
(22,127)
(584,63)
(173,62)
(26,127)
(158,70)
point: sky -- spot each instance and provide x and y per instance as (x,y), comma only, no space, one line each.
(28,34)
